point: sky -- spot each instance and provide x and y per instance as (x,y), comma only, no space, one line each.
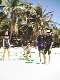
(50,5)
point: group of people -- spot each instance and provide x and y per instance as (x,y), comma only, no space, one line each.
(45,43)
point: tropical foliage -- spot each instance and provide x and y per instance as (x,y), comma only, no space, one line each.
(25,19)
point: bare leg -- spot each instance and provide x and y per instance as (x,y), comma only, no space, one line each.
(49,58)
(3,54)
(49,52)
(44,55)
(8,53)
(40,55)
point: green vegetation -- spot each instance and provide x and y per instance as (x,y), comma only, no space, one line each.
(24,19)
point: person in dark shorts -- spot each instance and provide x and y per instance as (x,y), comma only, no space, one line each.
(48,44)
(6,44)
(40,40)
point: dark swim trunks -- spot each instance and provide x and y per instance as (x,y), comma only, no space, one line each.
(6,44)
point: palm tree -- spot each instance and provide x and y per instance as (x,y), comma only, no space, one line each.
(25,14)
(10,8)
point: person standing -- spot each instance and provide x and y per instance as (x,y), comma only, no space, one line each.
(40,40)
(48,44)
(6,44)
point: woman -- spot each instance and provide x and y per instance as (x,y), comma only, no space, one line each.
(6,44)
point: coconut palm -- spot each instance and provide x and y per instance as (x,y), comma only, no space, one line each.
(10,8)
(23,17)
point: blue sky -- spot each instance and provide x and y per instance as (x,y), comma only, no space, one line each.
(53,5)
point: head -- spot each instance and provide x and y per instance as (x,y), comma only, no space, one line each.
(6,32)
(40,32)
(48,32)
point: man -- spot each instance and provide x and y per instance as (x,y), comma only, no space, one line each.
(40,40)
(6,43)
(48,44)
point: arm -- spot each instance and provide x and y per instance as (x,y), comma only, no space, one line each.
(3,43)
(9,42)
(51,43)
